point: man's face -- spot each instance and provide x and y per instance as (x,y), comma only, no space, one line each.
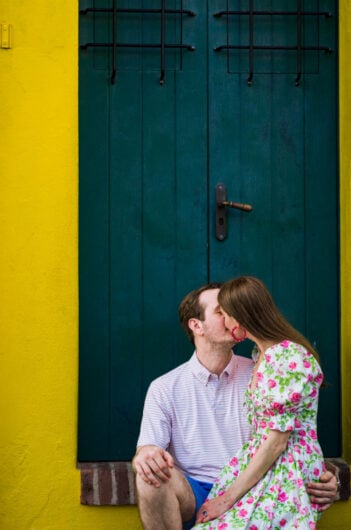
(213,324)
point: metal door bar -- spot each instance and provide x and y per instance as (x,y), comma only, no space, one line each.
(251,13)
(326,14)
(125,10)
(114,44)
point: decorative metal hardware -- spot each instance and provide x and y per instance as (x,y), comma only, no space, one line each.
(162,11)
(221,213)
(237,205)
(136,11)
(251,13)
(326,14)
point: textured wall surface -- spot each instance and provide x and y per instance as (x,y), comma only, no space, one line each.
(40,485)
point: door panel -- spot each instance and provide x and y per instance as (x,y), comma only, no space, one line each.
(151,242)
(150,158)
(273,144)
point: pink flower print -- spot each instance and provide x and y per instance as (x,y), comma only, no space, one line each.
(284,343)
(259,376)
(263,424)
(282,522)
(299,482)
(222,526)
(313,393)
(297,423)
(269,514)
(302,442)
(290,474)
(310,378)
(295,397)
(278,407)
(222,492)
(313,434)
(282,497)
(290,458)
(234,461)
(242,513)
(316,472)
(306,364)
(271,383)
(308,449)
(268,358)
(239,504)
(302,432)
(271,425)
(319,378)
(292,365)
(312,525)
(300,464)
(250,500)
(253,527)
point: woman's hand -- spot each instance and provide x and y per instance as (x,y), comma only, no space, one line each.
(213,508)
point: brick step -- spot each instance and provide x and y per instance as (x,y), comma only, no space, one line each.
(113,483)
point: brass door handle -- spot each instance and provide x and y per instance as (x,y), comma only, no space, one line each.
(221,214)
(237,205)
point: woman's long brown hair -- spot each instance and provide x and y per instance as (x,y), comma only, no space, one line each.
(248,300)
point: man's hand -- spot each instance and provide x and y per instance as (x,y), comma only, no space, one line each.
(153,464)
(324,492)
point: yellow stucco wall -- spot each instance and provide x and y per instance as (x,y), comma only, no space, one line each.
(39,484)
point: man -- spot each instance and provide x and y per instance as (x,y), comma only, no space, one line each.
(194,421)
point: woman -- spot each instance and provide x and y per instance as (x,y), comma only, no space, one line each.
(264,484)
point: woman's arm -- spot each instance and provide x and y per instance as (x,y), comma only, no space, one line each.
(268,452)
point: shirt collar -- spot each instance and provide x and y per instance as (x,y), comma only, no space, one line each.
(203,375)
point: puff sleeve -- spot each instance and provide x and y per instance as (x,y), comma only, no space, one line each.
(289,384)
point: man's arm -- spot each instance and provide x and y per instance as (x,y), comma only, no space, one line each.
(325,491)
(152,464)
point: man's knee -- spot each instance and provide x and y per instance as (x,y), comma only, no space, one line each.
(159,507)
(152,493)
(175,490)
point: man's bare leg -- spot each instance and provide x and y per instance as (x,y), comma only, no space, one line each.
(165,507)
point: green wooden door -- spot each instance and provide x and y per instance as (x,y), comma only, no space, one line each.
(151,156)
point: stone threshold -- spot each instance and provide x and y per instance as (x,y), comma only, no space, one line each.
(113,483)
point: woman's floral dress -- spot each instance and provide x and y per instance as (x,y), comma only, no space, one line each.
(285,398)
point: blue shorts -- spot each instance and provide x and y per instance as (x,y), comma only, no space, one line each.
(200,490)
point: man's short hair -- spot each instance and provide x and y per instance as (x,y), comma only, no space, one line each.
(190,307)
